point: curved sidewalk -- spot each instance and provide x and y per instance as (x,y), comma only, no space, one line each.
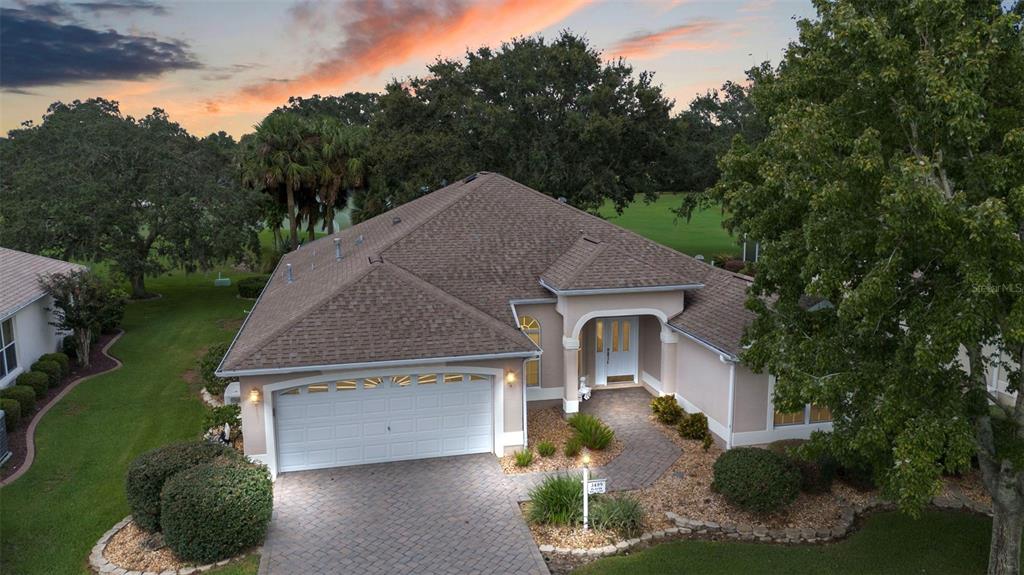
(30,433)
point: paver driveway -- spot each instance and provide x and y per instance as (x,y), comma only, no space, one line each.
(447,515)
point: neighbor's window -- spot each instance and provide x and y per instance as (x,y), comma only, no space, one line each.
(8,357)
(531,367)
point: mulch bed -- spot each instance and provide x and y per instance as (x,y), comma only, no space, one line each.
(548,424)
(98,363)
(135,549)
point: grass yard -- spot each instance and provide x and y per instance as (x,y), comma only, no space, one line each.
(703,234)
(52,516)
(945,543)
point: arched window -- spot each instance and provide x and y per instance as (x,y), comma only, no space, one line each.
(531,367)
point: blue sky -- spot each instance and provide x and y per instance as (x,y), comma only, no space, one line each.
(224,65)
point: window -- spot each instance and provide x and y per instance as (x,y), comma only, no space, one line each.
(810,414)
(820,414)
(345,384)
(531,367)
(478,377)
(401,380)
(372,382)
(453,378)
(426,379)
(789,418)
(318,388)
(8,356)
(292,391)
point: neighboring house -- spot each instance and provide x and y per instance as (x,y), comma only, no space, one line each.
(25,330)
(425,332)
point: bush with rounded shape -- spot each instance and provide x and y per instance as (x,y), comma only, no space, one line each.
(694,426)
(591,431)
(558,500)
(61,358)
(546,448)
(149,471)
(23,394)
(572,447)
(756,480)
(524,458)
(622,513)
(37,380)
(216,510)
(218,416)
(251,287)
(52,369)
(12,413)
(666,409)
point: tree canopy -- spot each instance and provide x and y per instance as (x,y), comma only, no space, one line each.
(890,185)
(90,183)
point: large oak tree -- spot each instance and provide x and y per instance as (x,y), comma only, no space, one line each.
(891,184)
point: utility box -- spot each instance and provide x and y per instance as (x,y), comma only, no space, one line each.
(221,281)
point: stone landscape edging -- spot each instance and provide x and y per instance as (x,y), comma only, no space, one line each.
(100,564)
(30,433)
(746,532)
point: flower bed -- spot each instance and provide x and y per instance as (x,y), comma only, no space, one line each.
(548,424)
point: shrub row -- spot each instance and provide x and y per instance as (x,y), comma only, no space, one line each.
(25,395)
(20,399)
(208,367)
(12,413)
(666,409)
(251,287)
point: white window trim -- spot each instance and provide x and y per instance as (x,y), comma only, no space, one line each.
(807,424)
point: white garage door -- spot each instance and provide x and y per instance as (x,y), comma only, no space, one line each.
(386,418)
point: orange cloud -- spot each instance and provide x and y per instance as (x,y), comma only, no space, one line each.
(690,36)
(383,35)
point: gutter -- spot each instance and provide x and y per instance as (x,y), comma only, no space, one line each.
(599,291)
(723,355)
(220,366)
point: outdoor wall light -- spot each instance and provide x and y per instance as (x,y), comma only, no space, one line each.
(510,377)
(254,395)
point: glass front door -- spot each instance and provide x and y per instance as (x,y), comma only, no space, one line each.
(615,344)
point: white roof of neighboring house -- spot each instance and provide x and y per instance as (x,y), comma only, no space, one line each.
(19,278)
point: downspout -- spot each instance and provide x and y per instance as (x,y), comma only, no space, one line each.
(732,399)
(522,384)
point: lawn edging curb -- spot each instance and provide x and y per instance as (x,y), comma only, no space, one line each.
(100,564)
(745,532)
(30,433)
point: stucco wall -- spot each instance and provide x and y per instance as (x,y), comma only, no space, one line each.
(551,361)
(33,336)
(750,411)
(703,380)
(575,308)
(650,345)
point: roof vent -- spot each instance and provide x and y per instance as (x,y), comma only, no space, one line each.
(359,240)
(563,200)
(470,178)
(377,259)
(698,257)
(288,272)
(337,249)
(396,220)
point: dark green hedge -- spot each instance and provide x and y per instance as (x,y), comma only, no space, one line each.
(252,286)
(37,380)
(61,358)
(52,369)
(756,479)
(208,367)
(149,471)
(23,394)
(216,510)
(12,413)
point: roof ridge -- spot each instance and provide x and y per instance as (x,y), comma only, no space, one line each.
(600,249)
(501,327)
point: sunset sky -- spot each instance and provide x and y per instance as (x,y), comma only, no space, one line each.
(224,65)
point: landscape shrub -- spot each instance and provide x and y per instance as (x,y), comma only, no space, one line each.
(23,394)
(524,458)
(12,413)
(61,358)
(37,380)
(546,449)
(52,369)
(622,514)
(572,447)
(216,510)
(115,301)
(666,409)
(694,426)
(208,367)
(707,442)
(756,480)
(67,345)
(149,471)
(816,474)
(251,287)
(858,476)
(592,432)
(558,500)
(218,416)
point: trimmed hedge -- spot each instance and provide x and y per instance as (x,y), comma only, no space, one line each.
(52,369)
(218,416)
(37,380)
(23,394)
(61,358)
(756,480)
(252,287)
(591,431)
(149,471)
(216,510)
(12,413)
(666,409)
(208,367)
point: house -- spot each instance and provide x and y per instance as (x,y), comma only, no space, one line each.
(426,331)
(25,330)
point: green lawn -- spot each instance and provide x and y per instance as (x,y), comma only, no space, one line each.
(703,234)
(53,515)
(944,543)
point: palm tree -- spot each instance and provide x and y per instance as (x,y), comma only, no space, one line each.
(340,167)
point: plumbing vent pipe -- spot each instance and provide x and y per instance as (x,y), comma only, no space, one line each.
(359,240)
(337,249)
(288,271)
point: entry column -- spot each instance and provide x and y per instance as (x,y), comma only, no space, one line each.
(669,351)
(571,396)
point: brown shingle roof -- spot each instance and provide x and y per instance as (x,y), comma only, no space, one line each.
(19,278)
(467,249)
(716,314)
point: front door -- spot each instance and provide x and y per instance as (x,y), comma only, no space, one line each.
(615,347)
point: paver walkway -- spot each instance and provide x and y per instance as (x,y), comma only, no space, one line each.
(646,452)
(436,516)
